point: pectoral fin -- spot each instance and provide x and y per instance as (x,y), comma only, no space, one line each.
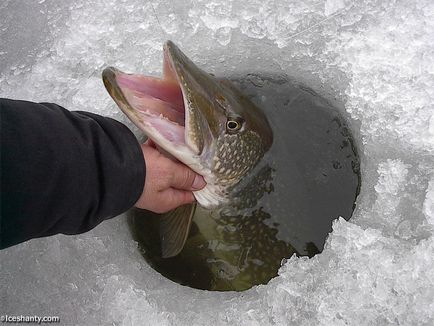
(174,228)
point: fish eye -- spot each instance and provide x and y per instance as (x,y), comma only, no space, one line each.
(234,124)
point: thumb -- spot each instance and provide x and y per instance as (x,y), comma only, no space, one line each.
(175,198)
(186,179)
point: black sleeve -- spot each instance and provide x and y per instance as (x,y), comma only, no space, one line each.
(63,172)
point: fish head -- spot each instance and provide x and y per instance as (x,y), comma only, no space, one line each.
(202,121)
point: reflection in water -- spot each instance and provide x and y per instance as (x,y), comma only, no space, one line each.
(309,178)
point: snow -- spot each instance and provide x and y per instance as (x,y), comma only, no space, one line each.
(374,58)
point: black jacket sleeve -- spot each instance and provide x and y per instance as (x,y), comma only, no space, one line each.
(62,171)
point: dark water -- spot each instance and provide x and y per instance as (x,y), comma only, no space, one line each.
(309,178)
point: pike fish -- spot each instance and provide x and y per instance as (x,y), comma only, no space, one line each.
(202,121)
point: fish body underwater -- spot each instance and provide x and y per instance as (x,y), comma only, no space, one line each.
(236,236)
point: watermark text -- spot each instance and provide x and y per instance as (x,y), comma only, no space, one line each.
(29,319)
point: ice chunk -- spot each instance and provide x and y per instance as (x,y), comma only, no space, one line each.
(428,205)
(389,188)
(332,6)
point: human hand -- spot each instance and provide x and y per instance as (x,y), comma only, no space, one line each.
(168,184)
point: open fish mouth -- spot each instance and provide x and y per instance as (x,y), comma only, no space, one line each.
(157,106)
(200,120)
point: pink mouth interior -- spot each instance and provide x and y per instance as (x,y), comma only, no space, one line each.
(159,102)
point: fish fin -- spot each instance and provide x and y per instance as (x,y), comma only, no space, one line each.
(174,229)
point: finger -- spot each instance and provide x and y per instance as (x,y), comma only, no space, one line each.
(150,143)
(186,179)
(175,198)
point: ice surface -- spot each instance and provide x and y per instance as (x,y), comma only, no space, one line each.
(373,58)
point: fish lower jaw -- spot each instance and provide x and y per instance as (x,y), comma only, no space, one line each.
(212,196)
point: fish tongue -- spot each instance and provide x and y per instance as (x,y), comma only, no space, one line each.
(158,102)
(146,104)
(166,90)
